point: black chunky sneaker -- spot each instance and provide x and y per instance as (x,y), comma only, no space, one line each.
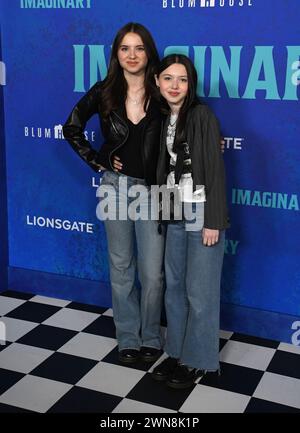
(183,377)
(165,369)
(211,376)
(129,356)
(150,354)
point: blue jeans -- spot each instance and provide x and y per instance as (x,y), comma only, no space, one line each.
(192,298)
(134,246)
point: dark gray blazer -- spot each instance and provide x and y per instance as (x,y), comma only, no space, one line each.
(203,137)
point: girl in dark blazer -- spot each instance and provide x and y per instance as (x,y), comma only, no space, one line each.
(191,163)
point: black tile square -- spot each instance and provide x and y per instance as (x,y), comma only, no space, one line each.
(113,358)
(103,326)
(222,343)
(8,378)
(33,312)
(47,337)
(87,307)
(234,378)
(81,400)
(255,340)
(5,408)
(17,295)
(64,368)
(285,363)
(156,393)
(256,405)
(4,346)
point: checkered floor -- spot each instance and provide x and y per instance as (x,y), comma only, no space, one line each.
(61,356)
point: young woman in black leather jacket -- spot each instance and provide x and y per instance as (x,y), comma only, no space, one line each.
(131,122)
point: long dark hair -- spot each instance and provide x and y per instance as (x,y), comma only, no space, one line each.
(114,88)
(191,98)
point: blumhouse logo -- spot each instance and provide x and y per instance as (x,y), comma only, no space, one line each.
(55,132)
(58,132)
(193,4)
(207,3)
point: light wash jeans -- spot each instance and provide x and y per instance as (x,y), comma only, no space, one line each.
(192,298)
(135,246)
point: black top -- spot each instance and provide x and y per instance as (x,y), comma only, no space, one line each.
(131,153)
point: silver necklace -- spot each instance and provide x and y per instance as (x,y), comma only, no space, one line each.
(135,101)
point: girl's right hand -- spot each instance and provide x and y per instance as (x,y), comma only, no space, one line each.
(117,163)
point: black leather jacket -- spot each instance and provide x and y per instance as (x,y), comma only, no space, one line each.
(115,132)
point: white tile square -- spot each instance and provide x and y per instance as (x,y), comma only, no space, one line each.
(247,355)
(8,304)
(35,393)
(50,301)
(206,399)
(89,346)
(108,313)
(279,389)
(132,406)
(22,358)
(2,333)
(111,379)
(67,318)
(16,328)
(289,348)
(225,334)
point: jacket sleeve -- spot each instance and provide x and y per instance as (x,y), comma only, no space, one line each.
(73,129)
(215,208)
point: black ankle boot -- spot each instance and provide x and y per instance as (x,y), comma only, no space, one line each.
(183,377)
(150,354)
(165,369)
(129,356)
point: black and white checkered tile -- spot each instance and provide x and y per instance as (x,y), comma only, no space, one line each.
(61,356)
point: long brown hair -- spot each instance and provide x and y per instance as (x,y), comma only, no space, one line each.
(114,87)
(190,100)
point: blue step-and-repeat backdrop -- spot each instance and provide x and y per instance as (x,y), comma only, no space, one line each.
(3,205)
(247,54)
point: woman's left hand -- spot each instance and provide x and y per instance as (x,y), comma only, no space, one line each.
(117,164)
(210,237)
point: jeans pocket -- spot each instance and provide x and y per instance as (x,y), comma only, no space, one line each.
(107,193)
